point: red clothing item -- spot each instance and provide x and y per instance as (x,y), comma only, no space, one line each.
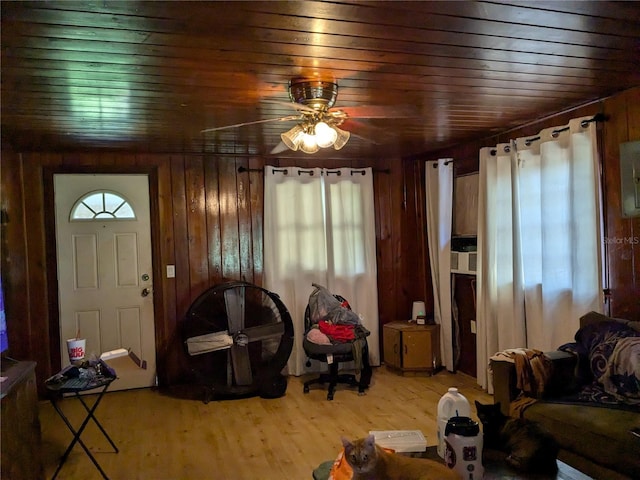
(337,333)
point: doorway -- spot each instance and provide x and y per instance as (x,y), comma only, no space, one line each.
(104,263)
(464,296)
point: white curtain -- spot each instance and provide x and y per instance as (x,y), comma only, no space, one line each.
(539,235)
(439,193)
(499,296)
(320,228)
(561,237)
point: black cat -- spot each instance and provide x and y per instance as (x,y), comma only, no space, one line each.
(528,446)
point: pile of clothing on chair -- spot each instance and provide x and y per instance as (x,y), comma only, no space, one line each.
(330,320)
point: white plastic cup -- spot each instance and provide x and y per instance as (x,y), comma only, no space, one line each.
(452,404)
(77,349)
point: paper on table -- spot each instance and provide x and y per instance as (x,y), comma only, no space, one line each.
(124,352)
(119,352)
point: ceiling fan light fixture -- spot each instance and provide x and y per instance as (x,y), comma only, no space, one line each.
(325,135)
(309,144)
(293,138)
(341,139)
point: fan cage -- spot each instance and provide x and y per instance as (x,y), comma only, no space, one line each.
(268,357)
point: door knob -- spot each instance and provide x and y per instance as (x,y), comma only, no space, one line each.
(145,292)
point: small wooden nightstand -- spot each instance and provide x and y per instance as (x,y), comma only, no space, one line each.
(410,348)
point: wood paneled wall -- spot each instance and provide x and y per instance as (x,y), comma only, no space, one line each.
(206,220)
(622,235)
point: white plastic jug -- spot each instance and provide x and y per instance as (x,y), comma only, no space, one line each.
(452,404)
(463,448)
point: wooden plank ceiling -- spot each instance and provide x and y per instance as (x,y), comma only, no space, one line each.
(149,76)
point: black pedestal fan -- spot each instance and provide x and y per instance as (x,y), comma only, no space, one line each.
(239,337)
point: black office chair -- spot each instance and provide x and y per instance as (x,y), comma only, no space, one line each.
(337,353)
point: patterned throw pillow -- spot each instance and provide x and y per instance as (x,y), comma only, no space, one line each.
(594,345)
(602,342)
(621,378)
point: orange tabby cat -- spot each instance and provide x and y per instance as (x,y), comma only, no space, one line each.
(370,462)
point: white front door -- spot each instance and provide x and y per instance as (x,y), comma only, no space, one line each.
(104,270)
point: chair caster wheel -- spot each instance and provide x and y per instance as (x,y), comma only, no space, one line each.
(305,389)
(330,396)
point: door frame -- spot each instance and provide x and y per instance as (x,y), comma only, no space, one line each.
(51,248)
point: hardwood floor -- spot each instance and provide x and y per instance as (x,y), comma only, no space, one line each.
(162,436)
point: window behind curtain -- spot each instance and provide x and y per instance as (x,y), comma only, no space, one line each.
(302,233)
(320,228)
(346,227)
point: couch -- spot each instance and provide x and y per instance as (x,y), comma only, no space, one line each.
(598,428)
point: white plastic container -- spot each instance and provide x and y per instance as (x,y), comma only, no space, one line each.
(401,441)
(452,404)
(463,448)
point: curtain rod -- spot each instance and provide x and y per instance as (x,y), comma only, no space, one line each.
(285,171)
(598,117)
(435,165)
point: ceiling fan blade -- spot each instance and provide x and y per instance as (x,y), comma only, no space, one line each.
(373,111)
(363,131)
(281,119)
(281,147)
(296,106)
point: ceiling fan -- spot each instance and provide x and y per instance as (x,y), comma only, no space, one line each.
(318,122)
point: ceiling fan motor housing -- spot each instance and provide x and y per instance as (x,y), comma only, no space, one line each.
(319,94)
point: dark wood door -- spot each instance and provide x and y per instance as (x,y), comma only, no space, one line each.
(464,295)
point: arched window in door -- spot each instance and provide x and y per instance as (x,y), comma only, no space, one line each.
(102,205)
